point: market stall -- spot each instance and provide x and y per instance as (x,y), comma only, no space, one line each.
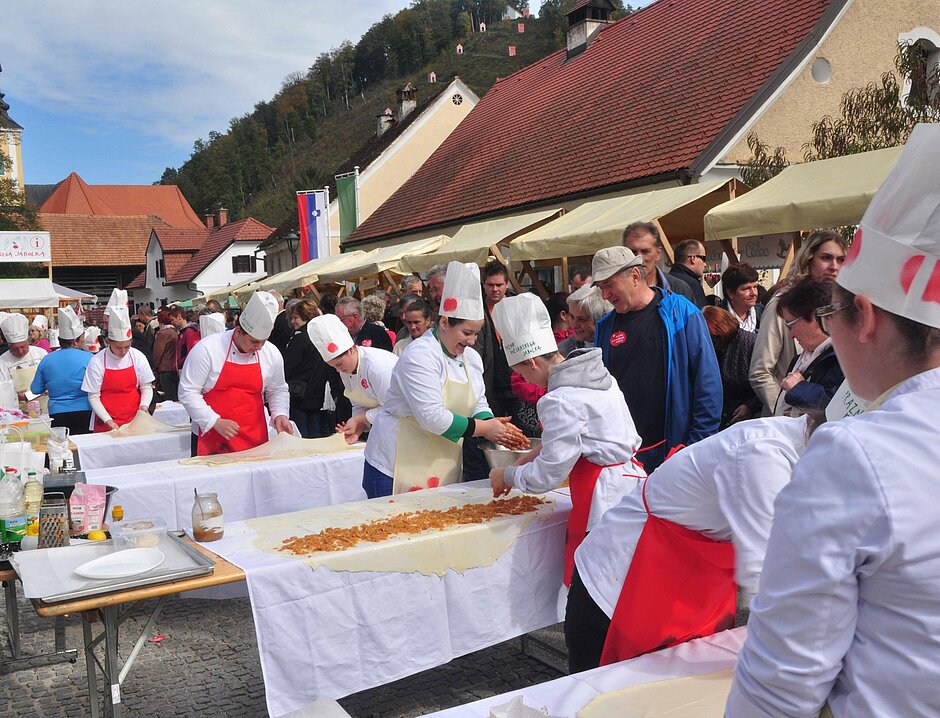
(27,294)
(377,612)
(675,676)
(676,211)
(481,241)
(164,489)
(306,275)
(807,196)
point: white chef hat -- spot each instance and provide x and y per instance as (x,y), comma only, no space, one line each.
(257,319)
(15,328)
(525,327)
(40,322)
(119,323)
(211,323)
(894,259)
(329,335)
(462,297)
(118,298)
(70,324)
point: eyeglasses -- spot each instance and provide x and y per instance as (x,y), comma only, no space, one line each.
(823,314)
(791,322)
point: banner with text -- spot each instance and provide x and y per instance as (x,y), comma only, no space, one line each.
(311,214)
(347,193)
(25,247)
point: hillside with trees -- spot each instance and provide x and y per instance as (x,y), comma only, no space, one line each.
(322,115)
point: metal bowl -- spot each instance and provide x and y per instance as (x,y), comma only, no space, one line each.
(500,457)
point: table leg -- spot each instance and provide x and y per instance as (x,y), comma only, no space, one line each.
(110,615)
(13,616)
(90,663)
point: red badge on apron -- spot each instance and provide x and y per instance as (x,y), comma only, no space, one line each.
(618,338)
(365,384)
(682,585)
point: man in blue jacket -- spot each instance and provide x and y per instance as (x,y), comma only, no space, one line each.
(656,344)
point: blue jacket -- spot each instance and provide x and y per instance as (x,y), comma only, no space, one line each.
(693,379)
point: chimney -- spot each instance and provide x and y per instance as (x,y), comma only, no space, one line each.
(585,20)
(223,216)
(384,121)
(407,100)
(210,220)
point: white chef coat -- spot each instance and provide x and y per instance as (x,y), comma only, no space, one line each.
(416,391)
(8,361)
(723,486)
(848,606)
(204,364)
(94,376)
(592,423)
(401,345)
(372,377)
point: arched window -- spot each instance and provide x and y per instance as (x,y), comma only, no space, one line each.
(921,68)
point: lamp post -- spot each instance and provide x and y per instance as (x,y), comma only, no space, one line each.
(292,245)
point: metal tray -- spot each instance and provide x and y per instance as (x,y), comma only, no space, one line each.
(186,562)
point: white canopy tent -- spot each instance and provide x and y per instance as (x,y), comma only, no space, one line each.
(28,294)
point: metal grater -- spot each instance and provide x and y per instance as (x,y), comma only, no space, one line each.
(53,521)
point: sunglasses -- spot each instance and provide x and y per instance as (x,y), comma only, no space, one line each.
(701,256)
(823,314)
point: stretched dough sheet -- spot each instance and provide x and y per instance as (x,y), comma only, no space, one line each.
(458,548)
(282,446)
(702,696)
(143,425)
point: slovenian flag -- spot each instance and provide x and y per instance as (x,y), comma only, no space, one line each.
(311,213)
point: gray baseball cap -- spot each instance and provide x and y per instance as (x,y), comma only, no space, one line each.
(607,262)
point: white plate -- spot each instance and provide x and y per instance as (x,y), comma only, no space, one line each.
(120,564)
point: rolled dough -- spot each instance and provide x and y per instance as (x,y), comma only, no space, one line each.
(702,696)
(282,446)
(144,424)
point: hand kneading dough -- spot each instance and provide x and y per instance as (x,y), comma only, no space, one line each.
(142,425)
(282,446)
(432,552)
(702,696)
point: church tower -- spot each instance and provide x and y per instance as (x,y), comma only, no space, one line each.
(10,146)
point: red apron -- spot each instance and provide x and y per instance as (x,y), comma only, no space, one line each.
(582,479)
(680,586)
(237,395)
(120,395)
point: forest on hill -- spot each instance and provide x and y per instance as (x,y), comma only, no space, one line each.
(322,115)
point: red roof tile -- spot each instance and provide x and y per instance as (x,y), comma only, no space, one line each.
(139,281)
(646,99)
(89,241)
(172,239)
(219,238)
(75,196)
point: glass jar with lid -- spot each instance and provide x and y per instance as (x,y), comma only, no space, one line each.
(207,518)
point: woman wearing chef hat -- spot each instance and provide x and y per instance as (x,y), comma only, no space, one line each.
(229,376)
(20,362)
(118,380)
(366,372)
(61,374)
(588,435)
(435,399)
(847,608)
(38,329)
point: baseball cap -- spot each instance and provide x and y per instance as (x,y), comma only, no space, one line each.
(607,262)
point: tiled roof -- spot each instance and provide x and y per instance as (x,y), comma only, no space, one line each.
(218,239)
(646,100)
(172,239)
(75,196)
(88,241)
(138,282)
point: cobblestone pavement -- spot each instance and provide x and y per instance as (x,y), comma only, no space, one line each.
(208,666)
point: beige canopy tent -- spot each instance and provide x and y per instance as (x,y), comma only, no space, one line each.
(479,241)
(825,193)
(302,276)
(223,293)
(382,262)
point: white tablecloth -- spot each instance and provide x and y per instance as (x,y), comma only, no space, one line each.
(566,696)
(171,412)
(164,489)
(328,634)
(99,451)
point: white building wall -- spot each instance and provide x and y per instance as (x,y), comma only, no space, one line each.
(219,272)
(156,291)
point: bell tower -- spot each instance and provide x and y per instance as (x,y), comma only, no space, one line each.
(10,146)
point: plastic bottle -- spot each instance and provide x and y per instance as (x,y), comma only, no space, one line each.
(32,496)
(117,516)
(12,508)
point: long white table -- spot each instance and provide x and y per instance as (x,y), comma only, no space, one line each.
(171,412)
(325,633)
(100,451)
(164,489)
(566,696)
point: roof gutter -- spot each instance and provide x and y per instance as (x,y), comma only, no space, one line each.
(717,147)
(681,177)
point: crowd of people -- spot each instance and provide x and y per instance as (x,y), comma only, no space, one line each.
(676,416)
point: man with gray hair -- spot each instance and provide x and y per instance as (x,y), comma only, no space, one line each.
(411,284)
(643,239)
(436,275)
(585,307)
(364,334)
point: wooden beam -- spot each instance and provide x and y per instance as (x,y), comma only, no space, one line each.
(728,246)
(540,289)
(565,279)
(666,243)
(791,255)
(393,285)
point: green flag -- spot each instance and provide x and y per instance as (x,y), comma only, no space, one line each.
(348,196)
